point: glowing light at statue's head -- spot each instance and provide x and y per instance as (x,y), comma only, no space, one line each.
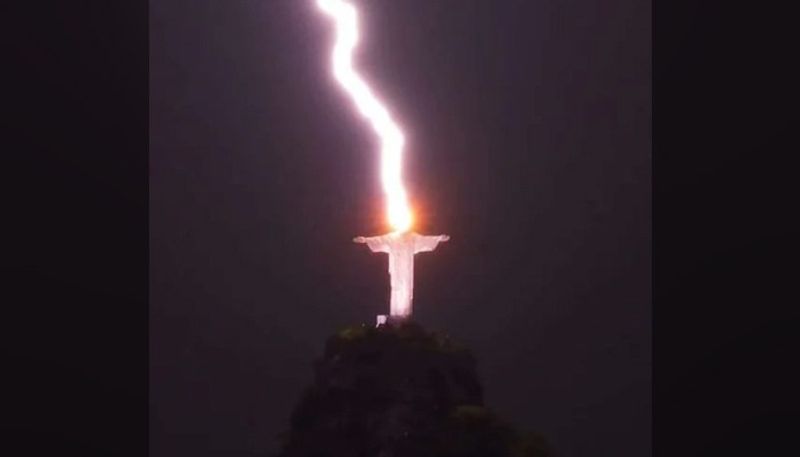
(345,16)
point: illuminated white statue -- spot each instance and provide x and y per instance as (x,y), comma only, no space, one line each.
(401,247)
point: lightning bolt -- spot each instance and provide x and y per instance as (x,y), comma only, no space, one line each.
(345,17)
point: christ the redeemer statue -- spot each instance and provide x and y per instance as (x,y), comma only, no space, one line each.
(401,248)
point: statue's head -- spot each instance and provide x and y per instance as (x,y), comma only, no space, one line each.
(402,233)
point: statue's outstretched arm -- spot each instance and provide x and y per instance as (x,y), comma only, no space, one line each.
(375,243)
(429,243)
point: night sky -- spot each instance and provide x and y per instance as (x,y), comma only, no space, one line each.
(528,142)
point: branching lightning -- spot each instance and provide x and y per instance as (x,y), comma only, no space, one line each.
(391,137)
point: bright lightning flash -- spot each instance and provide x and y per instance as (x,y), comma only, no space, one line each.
(345,16)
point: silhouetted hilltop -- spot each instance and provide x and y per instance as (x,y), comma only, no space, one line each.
(399,391)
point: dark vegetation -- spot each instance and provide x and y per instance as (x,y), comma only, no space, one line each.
(399,391)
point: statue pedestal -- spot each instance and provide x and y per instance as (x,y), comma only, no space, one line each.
(384,319)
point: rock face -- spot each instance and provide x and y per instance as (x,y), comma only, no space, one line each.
(398,391)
